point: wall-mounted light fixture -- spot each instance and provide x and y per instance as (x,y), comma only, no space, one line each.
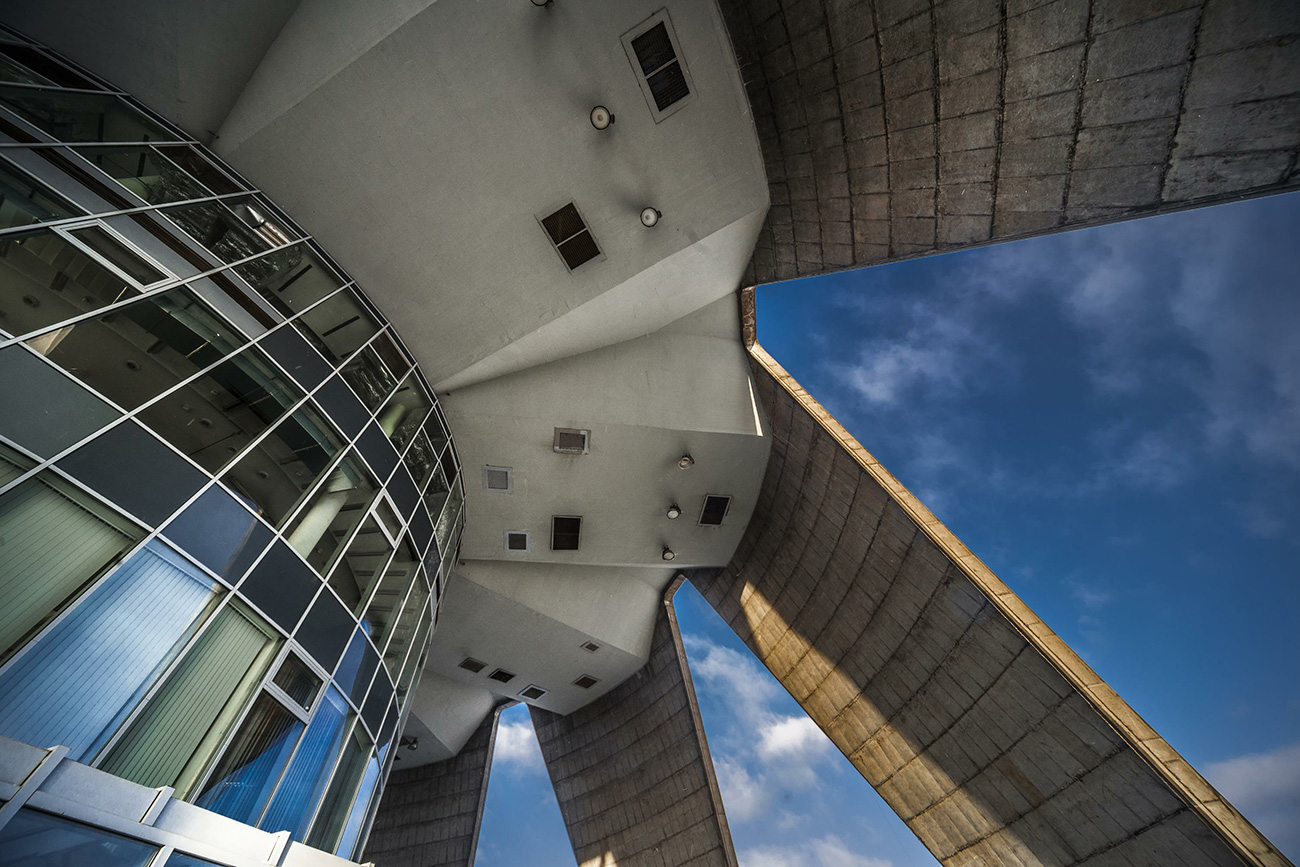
(674,512)
(650,217)
(541,3)
(686,462)
(669,554)
(601,117)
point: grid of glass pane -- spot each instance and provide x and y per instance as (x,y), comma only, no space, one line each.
(192,348)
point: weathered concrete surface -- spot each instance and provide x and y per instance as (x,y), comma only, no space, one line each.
(892,128)
(632,770)
(976,723)
(430,816)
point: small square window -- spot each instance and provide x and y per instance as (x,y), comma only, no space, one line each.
(471,664)
(586,681)
(532,692)
(714,510)
(590,646)
(570,441)
(502,676)
(517,542)
(565,533)
(499,479)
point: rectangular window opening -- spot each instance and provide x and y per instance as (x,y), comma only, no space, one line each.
(532,692)
(565,533)
(570,441)
(715,509)
(499,479)
(502,676)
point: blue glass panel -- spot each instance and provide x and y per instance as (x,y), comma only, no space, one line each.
(352,830)
(304,783)
(33,839)
(219,533)
(78,683)
(242,782)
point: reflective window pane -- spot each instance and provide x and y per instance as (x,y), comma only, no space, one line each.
(339,325)
(291,279)
(242,781)
(390,593)
(104,656)
(309,772)
(146,173)
(403,633)
(450,517)
(420,459)
(369,378)
(34,839)
(114,251)
(45,279)
(231,229)
(405,411)
(361,565)
(200,169)
(338,798)
(281,586)
(325,630)
(24,200)
(276,472)
(357,667)
(82,117)
(43,68)
(55,541)
(219,533)
(324,525)
(298,681)
(133,354)
(216,416)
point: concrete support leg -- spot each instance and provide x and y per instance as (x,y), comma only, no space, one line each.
(632,770)
(430,816)
(989,736)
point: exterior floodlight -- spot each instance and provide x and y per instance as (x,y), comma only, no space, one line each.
(650,217)
(601,117)
(540,3)
(674,512)
(686,462)
(668,553)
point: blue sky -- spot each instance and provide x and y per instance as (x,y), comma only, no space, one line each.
(1109,418)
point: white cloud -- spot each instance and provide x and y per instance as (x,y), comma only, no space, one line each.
(792,737)
(516,747)
(828,851)
(740,677)
(1266,788)
(744,797)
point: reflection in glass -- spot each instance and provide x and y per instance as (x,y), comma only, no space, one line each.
(339,326)
(297,681)
(231,229)
(304,782)
(360,806)
(273,475)
(133,354)
(437,492)
(324,525)
(369,377)
(420,459)
(404,412)
(33,839)
(57,541)
(360,565)
(381,611)
(216,416)
(105,654)
(291,280)
(334,809)
(45,279)
(242,781)
(199,168)
(24,201)
(412,667)
(81,117)
(450,517)
(403,633)
(180,729)
(143,171)
(39,68)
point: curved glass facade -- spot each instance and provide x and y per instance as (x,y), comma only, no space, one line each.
(228,498)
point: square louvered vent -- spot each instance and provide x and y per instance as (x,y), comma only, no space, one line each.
(570,441)
(586,681)
(656,58)
(565,532)
(590,646)
(532,692)
(517,541)
(502,676)
(715,509)
(570,236)
(499,479)
(469,663)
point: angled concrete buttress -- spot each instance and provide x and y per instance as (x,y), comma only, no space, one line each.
(430,816)
(892,128)
(990,737)
(632,770)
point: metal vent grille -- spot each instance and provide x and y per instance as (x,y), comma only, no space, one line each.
(570,236)
(498,479)
(565,533)
(590,646)
(532,692)
(586,681)
(654,51)
(502,676)
(715,509)
(569,441)
(469,663)
(517,541)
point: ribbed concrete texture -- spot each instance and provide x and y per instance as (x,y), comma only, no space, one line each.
(430,816)
(991,739)
(632,770)
(897,127)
